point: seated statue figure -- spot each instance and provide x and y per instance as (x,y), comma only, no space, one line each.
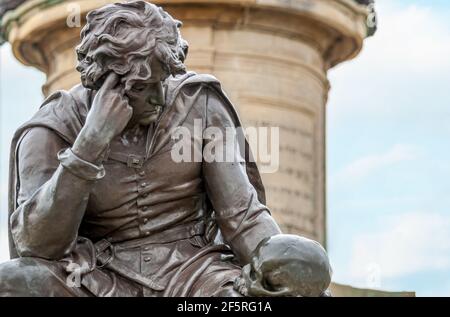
(98,205)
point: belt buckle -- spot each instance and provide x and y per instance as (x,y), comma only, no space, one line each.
(135,161)
(101,248)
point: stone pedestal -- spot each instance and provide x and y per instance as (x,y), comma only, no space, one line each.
(271,56)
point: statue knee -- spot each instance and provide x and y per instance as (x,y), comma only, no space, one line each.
(24,277)
(228,291)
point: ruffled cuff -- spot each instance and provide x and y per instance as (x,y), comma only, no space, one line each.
(80,167)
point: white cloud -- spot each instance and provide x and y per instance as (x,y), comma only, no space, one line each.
(410,38)
(410,243)
(363,167)
(413,38)
(409,52)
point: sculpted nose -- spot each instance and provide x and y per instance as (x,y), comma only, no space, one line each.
(79,68)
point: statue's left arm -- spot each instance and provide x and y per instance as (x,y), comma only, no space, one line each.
(243,220)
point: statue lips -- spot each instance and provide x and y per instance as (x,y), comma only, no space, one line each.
(151,112)
(155,110)
(150,115)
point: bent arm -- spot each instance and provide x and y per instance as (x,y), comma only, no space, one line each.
(52,198)
(243,220)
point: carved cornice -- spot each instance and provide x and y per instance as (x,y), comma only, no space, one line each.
(8,5)
(8,8)
(349,20)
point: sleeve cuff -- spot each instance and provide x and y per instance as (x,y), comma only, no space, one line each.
(80,167)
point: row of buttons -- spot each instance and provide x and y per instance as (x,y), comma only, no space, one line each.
(143,185)
(147,258)
(144,208)
(145,220)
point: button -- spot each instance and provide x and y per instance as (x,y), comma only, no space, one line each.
(144,195)
(135,161)
(145,220)
(142,174)
(144,185)
(146,248)
(147,259)
(147,233)
(144,208)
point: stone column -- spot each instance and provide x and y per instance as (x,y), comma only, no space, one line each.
(272,57)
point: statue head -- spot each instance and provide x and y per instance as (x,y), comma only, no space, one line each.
(286,265)
(137,40)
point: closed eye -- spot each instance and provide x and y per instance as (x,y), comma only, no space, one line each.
(138,88)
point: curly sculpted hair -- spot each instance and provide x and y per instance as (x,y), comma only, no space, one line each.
(126,38)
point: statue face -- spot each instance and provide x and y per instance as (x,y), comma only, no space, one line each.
(142,44)
(145,97)
(287,265)
(260,280)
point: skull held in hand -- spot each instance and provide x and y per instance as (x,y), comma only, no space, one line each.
(286,265)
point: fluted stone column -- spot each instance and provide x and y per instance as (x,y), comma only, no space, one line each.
(272,57)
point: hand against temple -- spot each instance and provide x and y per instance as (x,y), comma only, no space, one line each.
(107,118)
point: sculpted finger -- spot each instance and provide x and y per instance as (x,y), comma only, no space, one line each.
(130,111)
(111,81)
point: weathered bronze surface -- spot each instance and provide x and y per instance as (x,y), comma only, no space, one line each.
(98,206)
(286,265)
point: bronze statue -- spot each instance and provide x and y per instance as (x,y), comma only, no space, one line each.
(98,207)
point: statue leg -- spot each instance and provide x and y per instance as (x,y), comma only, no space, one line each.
(33,277)
(227,291)
(217,281)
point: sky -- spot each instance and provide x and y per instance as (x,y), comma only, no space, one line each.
(388,126)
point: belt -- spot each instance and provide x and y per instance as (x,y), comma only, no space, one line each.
(103,247)
(105,251)
(177,233)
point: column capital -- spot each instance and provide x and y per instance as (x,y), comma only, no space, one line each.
(348,22)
